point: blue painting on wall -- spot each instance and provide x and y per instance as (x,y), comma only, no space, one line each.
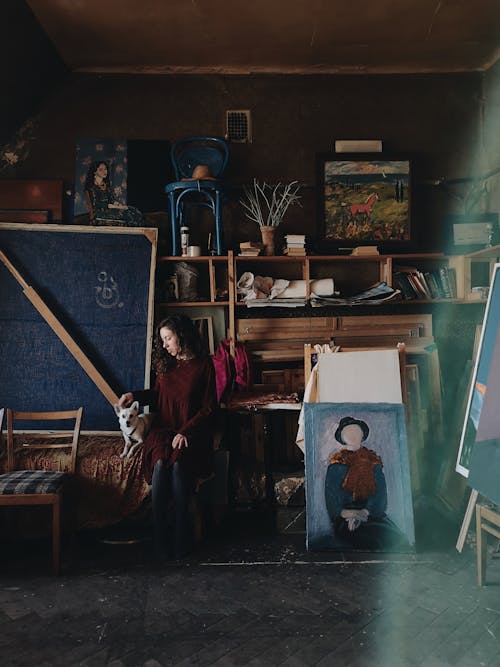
(358,489)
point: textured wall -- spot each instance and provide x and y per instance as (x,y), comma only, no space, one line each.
(433,117)
(491,138)
(30,67)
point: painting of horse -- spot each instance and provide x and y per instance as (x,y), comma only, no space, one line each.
(366,208)
(364,199)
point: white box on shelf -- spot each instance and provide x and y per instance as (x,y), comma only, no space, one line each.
(358,146)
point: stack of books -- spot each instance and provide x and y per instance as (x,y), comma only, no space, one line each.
(362,250)
(295,245)
(438,284)
(250,248)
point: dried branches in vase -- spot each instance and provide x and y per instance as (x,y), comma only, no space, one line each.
(267,204)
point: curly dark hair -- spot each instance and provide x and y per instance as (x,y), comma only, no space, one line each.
(189,341)
(89,181)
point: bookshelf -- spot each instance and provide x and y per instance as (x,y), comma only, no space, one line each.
(352,274)
(217,277)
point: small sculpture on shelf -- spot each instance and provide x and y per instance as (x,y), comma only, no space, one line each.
(266,205)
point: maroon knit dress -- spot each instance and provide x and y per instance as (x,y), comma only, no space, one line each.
(185,401)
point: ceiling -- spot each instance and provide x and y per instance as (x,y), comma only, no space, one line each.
(279,36)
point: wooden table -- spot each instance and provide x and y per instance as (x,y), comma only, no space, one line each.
(266,404)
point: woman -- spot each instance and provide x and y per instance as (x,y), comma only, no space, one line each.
(356,491)
(179,448)
(98,189)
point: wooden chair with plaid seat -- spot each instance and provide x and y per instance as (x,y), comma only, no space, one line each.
(40,487)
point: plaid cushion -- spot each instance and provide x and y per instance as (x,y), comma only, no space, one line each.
(31,481)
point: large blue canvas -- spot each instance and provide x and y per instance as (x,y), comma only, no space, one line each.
(387,438)
(85,278)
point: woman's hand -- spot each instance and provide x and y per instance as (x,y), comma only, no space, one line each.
(120,207)
(180,441)
(354,518)
(126,399)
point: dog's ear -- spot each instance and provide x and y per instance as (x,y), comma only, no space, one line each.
(117,409)
(135,406)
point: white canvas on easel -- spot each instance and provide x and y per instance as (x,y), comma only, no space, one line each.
(371,376)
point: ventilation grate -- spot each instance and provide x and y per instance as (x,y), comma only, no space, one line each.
(238,126)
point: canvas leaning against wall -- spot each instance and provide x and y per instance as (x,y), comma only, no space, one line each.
(481,377)
(138,171)
(358,490)
(485,456)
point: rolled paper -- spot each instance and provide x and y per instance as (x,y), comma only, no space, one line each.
(297,288)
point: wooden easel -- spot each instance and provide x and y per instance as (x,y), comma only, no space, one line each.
(464,529)
(487,520)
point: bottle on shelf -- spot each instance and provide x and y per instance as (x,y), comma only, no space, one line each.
(184,241)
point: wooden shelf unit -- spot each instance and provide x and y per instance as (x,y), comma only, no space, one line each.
(214,289)
(219,275)
(213,275)
(352,274)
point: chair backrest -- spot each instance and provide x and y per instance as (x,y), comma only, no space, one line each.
(53,439)
(188,153)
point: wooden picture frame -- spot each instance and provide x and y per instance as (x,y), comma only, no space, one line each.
(172,288)
(363,199)
(57,348)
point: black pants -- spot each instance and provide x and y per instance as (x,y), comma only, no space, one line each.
(170,498)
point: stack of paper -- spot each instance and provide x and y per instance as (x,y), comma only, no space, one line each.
(374,295)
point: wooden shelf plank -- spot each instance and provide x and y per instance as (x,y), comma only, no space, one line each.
(184,304)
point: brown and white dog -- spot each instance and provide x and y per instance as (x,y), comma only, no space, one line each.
(134,427)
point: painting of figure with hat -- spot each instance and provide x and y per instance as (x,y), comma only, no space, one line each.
(357,478)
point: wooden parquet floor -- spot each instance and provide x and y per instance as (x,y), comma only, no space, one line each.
(248,599)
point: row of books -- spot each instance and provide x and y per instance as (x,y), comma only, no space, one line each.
(295,245)
(438,284)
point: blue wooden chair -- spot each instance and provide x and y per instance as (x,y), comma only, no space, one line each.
(199,163)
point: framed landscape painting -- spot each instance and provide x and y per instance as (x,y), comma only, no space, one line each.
(363,199)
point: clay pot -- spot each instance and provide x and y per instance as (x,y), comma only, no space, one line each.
(268,239)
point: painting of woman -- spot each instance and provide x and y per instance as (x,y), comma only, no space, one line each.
(355,488)
(103,207)
(358,489)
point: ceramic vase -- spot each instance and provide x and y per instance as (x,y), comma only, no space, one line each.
(268,239)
